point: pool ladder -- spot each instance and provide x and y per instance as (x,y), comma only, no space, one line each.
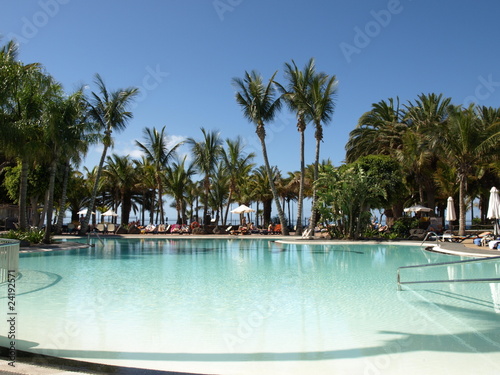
(478,280)
(98,237)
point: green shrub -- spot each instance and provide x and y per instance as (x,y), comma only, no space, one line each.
(402,226)
(33,236)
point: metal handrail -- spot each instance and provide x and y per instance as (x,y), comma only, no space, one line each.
(98,237)
(427,235)
(446,264)
(9,258)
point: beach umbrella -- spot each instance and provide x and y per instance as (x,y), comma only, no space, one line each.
(450,212)
(84,212)
(494,209)
(242,210)
(110,213)
(417,208)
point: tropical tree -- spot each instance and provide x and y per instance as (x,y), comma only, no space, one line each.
(425,116)
(207,153)
(260,105)
(345,197)
(261,192)
(157,151)
(297,96)
(378,132)
(121,174)
(64,132)
(109,111)
(238,166)
(177,178)
(323,89)
(466,142)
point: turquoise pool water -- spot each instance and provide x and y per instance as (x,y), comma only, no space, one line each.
(244,306)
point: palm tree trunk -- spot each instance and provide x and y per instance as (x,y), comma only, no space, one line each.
(64,197)
(50,201)
(23,196)
(160,199)
(261,135)
(312,222)
(462,208)
(85,224)
(300,202)
(227,207)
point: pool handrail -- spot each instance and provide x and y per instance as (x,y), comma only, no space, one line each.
(9,258)
(484,280)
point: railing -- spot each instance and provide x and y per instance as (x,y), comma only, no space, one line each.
(478,280)
(94,233)
(9,258)
(427,235)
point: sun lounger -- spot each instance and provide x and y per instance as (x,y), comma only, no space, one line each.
(448,237)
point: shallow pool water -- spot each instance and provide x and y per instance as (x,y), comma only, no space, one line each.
(244,306)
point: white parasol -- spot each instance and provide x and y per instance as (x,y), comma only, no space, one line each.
(494,209)
(242,210)
(110,213)
(417,208)
(84,212)
(450,212)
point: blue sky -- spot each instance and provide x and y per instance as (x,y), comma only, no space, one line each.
(182,54)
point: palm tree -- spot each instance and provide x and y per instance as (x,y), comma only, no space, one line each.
(157,152)
(425,117)
(147,186)
(177,179)
(123,176)
(238,166)
(65,132)
(259,105)
(465,142)
(323,89)
(379,131)
(206,155)
(297,96)
(109,111)
(260,189)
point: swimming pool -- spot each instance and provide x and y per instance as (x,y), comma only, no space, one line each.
(245,306)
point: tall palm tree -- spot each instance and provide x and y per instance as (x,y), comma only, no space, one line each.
(207,153)
(260,105)
(465,142)
(64,132)
(323,89)
(297,96)
(109,111)
(425,116)
(238,166)
(158,153)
